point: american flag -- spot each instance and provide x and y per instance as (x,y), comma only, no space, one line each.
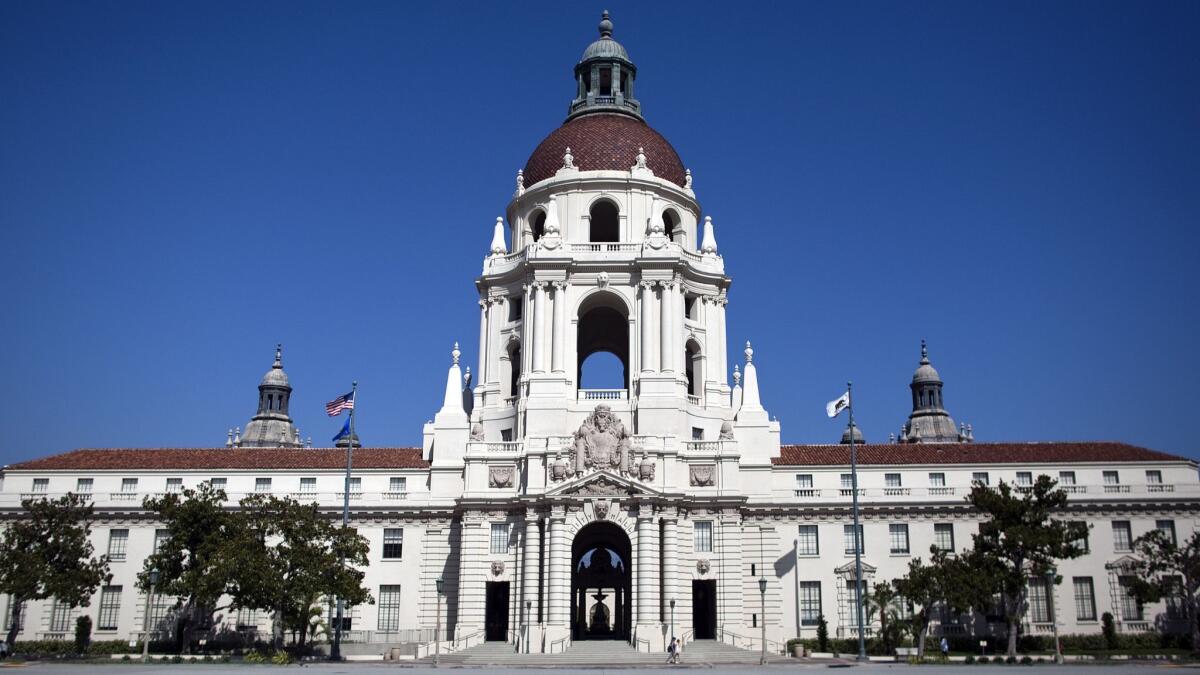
(337,405)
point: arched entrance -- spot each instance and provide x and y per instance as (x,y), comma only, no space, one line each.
(603,327)
(601,583)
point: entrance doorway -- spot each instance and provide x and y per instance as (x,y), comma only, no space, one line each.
(601,583)
(496,612)
(704,609)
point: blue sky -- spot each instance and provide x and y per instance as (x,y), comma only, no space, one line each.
(182,185)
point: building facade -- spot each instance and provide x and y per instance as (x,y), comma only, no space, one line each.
(554,513)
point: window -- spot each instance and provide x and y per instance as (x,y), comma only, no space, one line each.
(398,485)
(160,538)
(1080,529)
(506,435)
(804,481)
(808,543)
(1024,478)
(891,480)
(1131,609)
(160,606)
(499,537)
(1122,536)
(847,481)
(389,608)
(1039,609)
(83,486)
(110,608)
(129,485)
(355,486)
(247,618)
(6,618)
(60,617)
(943,536)
(605,222)
(41,486)
(898,537)
(393,542)
(1085,599)
(704,536)
(980,477)
(1112,478)
(514,308)
(1175,599)
(1066,477)
(174,485)
(1167,527)
(697,433)
(262,485)
(217,483)
(937,480)
(118,541)
(1154,477)
(848,539)
(308,485)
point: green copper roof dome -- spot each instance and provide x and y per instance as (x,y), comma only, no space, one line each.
(605,47)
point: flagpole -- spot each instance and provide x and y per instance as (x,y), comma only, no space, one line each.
(858,599)
(336,652)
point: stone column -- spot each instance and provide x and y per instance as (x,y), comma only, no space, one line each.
(645,565)
(731,576)
(472,575)
(680,352)
(559,600)
(533,557)
(560,326)
(718,346)
(539,327)
(481,375)
(670,563)
(527,329)
(647,321)
(667,334)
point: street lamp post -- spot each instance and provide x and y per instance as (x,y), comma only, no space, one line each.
(146,617)
(528,629)
(673,621)
(762,620)
(1050,574)
(437,631)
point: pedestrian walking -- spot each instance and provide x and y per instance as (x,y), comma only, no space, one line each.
(673,651)
(945,649)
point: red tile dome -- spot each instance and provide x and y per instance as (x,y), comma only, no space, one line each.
(604,142)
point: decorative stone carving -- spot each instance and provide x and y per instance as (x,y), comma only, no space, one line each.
(558,469)
(501,476)
(602,279)
(687,179)
(726,431)
(601,487)
(497,567)
(601,508)
(568,159)
(602,442)
(646,468)
(477,432)
(521,182)
(703,566)
(701,475)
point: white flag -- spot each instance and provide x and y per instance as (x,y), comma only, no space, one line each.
(835,407)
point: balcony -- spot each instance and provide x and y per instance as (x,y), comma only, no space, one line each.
(1159,487)
(896,491)
(603,395)
(1113,489)
(1073,489)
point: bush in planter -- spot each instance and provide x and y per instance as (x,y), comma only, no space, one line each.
(1011,659)
(1026,661)
(970,659)
(982,659)
(822,634)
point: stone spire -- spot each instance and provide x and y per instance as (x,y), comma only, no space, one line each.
(452,404)
(929,422)
(708,245)
(271,427)
(498,247)
(750,397)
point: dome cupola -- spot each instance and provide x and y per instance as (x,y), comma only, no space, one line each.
(604,77)
(929,422)
(271,426)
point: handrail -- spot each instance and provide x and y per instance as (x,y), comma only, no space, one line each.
(638,642)
(560,641)
(686,637)
(467,639)
(779,648)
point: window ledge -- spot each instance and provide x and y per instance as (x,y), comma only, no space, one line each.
(808,555)
(907,554)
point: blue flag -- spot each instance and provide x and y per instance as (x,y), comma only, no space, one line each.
(344,433)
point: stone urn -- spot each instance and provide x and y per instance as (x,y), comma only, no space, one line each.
(646,468)
(558,469)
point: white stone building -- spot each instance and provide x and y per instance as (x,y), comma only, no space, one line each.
(555,513)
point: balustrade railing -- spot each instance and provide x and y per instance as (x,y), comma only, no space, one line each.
(509,402)
(1159,487)
(704,446)
(1073,489)
(694,400)
(940,491)
(896,491)
(1110,489)
(603,394)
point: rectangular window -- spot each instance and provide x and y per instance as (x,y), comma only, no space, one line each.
(506,435)
(83,486)
(804,481)
(1122,536)
(1112,478)
(1154,477)
(499,537)
(160,607)
(355,486)
(1039,608)
(217,483)
(41,486)
(308,485)
(891,480)
(393,543)
(1024,478)
(389,608)
(1167,527)
(1131,609)
(847,481)
(937,480)
(129,485)
(398,485)
(697,434)
(110,608)
(174,485)
(704,536)
(160,538)
(118,541)
(262,485)
(1080,529)
(848,539)
(980,477)
(1066,477)
(808,543)
(1085,599)
(898,537)
(514,308)
(943,536)
(247,618)
(1175,598)
(6,618)
(60,617)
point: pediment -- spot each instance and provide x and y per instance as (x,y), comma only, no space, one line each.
(1125,562)
(600,484)
(847,570)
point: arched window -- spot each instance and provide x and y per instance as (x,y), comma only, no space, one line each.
(539,224)
(514,369)
(695,369)
(672,227)
(605,222)
(602,342)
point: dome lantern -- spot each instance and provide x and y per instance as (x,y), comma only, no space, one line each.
(604,77)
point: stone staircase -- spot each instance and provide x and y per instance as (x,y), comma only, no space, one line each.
(596,652)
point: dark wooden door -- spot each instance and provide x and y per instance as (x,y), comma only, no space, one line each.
(496,611)
(704,609)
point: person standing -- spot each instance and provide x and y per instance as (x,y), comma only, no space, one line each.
(945,648)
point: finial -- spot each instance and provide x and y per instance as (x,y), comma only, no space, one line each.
(467,378)
(455,353)
(278,355)
(568,159)
(891,439)
(237,436)
(924,353)
(605,25)
(737,375)
(308,443)
(970,434)
(229,439)
(749,352)
(687,179)
(498,246)
(640,161)
(520,182)
(708,241)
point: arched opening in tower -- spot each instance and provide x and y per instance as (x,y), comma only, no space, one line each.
(672,228)
(605,222)
(539,225)
(603,344)
(694,367)
(510,369)
(601,583)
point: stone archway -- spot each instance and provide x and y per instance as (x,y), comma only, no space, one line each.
(601,583)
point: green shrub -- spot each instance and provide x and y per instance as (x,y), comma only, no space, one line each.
(970,659)
(106,647)
(1026,660)
(281,658)
(255,657)
(125,658)
(822,634)
(982,659)
(83,634)
(1109,630)
(1011,659)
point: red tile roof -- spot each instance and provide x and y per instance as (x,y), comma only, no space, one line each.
(604,142)
(225,458)
(971,453)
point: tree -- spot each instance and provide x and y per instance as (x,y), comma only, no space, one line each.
(1019,539)
(47,553)
(291,557)
(884,600)
(822,634)
(945,581)
(196,560)
(1167,570)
